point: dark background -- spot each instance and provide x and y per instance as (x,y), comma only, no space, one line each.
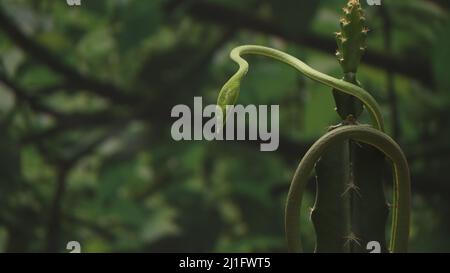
(85,100)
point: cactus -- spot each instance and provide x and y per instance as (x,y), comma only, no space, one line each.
(351,42)
(361,187)
(350,208)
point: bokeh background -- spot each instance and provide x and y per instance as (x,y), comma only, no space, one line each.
(85,100)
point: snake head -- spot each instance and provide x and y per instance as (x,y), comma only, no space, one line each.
(227,97)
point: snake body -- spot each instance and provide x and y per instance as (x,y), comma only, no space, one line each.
(368,135)
(363,133)
(230,90)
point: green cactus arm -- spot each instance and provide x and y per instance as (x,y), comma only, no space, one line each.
(402,191)
(351,42)
(351,39)
(369,208)
(331,213)
(230,91)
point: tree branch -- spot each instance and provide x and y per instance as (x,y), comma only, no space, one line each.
(55,63)
(21,95)
(64,166)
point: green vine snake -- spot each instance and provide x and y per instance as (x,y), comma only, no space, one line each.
(230,90)
(366,134)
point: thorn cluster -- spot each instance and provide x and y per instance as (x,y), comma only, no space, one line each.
(351,39)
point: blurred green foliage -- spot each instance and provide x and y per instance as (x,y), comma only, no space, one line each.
(85,100)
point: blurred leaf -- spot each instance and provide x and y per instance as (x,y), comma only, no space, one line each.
(12,59)
(159,225)
(114,177)
(6,100)
(97,44)
(139,19)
